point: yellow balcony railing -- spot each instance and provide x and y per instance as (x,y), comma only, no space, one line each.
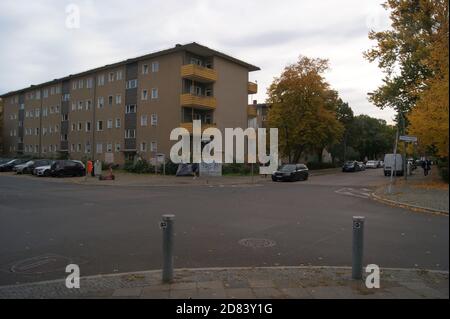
(189,126)
(251,111)
(198,73)
(252,88)
(192,100)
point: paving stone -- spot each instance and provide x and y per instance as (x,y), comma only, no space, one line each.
(296,293)
(183,294)
(154,294)
(268,293)
(240,293)
(210,284)
(403,293)
(261,283)
(127,292)
(211,293)
(183,285)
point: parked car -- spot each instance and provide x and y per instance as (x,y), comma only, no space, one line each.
(291,173)
(43,170)
(372,164)
(362,166)
(8,166)
(29,166)
(4,160)
(67,168)
(394,162)
(351,166)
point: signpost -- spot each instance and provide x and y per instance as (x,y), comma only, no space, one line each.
(408,139)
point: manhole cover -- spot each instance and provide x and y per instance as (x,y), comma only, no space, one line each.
(257,242)
(40,264)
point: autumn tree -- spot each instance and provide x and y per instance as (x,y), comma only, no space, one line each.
(429,118)
(303,108)
(401,52)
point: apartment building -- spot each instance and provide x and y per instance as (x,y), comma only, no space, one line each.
(257,114)
(129,108)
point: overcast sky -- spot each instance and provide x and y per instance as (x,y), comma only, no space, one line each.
(37,46)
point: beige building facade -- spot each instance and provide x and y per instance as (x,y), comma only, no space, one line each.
(117,112)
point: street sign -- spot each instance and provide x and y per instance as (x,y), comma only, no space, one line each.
(406,138)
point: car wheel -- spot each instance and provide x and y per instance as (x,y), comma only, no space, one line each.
(273,179)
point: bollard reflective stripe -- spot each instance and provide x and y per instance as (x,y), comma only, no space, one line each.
(357,247)
(168,241)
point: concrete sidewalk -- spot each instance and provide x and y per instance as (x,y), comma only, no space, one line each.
(419,192)
(245,283)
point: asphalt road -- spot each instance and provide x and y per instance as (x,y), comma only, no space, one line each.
(105,229)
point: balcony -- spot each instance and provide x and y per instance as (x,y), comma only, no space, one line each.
(191,100)
(189,126)
(252,88)
(198,73)
(251,111)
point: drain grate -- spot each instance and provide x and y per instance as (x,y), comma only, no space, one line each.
(257,242)
(40,264)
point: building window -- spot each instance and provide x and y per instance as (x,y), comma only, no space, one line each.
(155,66)
(66,97)
(52,90)
(45,112)
(143,147)
(87,148)
(117,123)
(109,124)
(109,147)
(80,105)
(130,133)
(144,95)
(118,99)
(99,148)
(154,147)
(74,126)
(110,100)
(88,126)
(101,80)
(145,69)
(88,105)
(131,84)
(57,109)
(58,90)
(89,83)
(46,93)
(72,147)
(111,77)
(119,75)
(99,125)
(154,93)
(143,120)
(80,126)
(65,117)
(74,106)
(100,103)
(38,95)
(154,119)
(130,109)
(117,147)
(80,84)
(78,147)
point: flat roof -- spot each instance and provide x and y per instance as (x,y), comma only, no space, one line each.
(190,47)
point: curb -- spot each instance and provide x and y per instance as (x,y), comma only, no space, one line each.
(217,269)
(410,206)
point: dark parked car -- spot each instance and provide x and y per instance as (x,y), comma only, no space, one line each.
(29,166)
(291,172)
(351,166)
(67,168)
(8,166)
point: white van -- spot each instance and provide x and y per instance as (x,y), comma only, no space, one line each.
(393,161)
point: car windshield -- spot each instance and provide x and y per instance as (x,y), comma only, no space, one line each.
(349,163)
(287,168)
(371,162)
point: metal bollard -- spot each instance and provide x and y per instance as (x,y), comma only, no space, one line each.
(357,247)
(168,234)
